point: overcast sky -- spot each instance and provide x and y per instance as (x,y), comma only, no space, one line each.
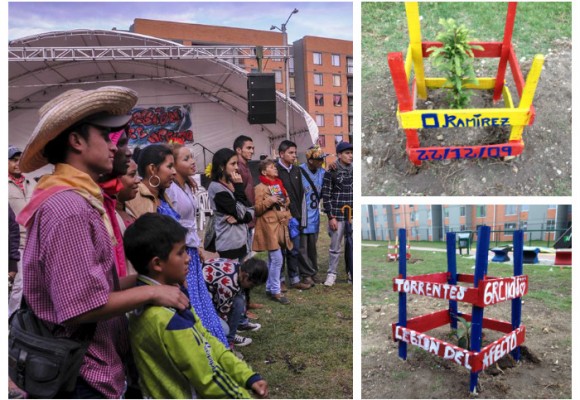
(326,19)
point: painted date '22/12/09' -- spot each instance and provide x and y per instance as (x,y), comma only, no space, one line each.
(463,152)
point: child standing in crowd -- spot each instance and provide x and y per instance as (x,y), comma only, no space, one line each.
(271,232)
(176,356)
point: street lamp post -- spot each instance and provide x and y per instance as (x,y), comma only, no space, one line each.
(286,70)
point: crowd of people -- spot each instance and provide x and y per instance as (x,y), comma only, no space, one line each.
(110,239)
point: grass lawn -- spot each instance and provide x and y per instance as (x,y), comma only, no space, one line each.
(304,350)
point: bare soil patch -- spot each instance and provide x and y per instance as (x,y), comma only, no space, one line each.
(543,372)
(544,168)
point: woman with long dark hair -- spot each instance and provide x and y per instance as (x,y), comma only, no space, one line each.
(232,210)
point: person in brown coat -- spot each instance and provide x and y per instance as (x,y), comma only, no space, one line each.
(271,231)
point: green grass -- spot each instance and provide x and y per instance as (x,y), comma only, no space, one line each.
(304,350)
(384,27)
(551,286)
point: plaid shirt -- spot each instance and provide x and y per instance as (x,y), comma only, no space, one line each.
(70,270)
(336,192)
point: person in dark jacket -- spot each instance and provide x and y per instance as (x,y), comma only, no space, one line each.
(291,177)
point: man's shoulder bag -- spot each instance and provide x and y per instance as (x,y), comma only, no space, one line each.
(40,363)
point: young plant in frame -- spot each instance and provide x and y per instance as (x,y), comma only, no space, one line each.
(455,60)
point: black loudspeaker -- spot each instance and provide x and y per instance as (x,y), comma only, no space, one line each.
(261,98)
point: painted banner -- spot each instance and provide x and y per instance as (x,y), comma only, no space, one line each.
(160,125)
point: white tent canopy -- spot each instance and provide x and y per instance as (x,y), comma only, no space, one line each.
(214,90)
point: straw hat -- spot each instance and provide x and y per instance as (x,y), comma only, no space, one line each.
(107,107)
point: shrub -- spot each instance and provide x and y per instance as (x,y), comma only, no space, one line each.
(455,60)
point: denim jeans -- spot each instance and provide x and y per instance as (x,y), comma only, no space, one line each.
(236,316)
(275,261)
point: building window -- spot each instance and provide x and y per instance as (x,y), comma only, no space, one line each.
(292,87)
(462,228)
(509,228)
(550,224)
(413,216)
(319,120)
(336,80)
(336,60)
(322,138)
(337,139)
(525,208)
(338,120)
(396,206)
(350,124)
(510,209)
(446,212)
(318,99)
(524,225)
(291,65)
(317,58)
(337,100)
(349,85)
(317,79)
(278,76)
(552,207)
(349,65)
(481,212)
(398,218)
(462,211)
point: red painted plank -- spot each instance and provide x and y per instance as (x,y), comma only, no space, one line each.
(434,346)
(437,290)
(400,82)
(494,291)
(426,322)
(505,50)
(439,153)
(498,349)
(438,277)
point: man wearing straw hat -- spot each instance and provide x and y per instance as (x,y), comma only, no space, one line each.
(70,277)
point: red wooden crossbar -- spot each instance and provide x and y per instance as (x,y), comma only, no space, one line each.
(489,291)
(475,361)
(505,50)
(418,154)
(563,257)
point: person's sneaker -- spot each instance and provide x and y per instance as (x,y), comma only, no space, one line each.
(241,341)
(280,298)
(330,280)
(301,286)
(249,327)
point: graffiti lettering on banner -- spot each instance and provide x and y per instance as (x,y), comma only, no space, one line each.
(160,125)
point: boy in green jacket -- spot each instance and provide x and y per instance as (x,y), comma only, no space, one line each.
(175,355)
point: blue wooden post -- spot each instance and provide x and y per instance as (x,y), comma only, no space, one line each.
(452,278)
(402,295)
(483,235)
(518,270)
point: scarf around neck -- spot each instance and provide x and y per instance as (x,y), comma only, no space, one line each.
(17,181)
(273,183)
(66,177)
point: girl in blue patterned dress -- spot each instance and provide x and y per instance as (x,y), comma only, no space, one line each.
(171,198)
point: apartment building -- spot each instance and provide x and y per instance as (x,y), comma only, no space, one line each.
(431,222)
(324,86)
(320,69)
